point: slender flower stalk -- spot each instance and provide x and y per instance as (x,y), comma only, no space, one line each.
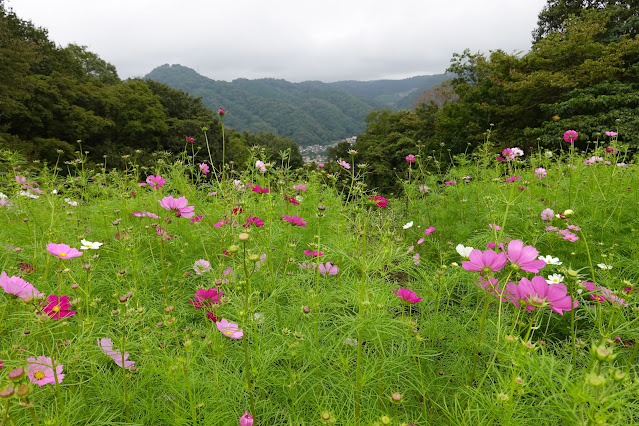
(247,290)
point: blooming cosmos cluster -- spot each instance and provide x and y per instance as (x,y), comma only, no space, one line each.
(528,294)
(567,234)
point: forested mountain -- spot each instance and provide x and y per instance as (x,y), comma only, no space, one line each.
(310,112)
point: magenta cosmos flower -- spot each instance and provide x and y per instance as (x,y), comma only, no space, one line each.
(18,287)
(524,258)
(294,220)
(229,329)
(221,112)
(178,205)
(206,298)
(538,294)
(485,261)
(410,158)
(40,371)
(570,136)
(246,419)
(156,182)
(378,200)
(405,295)
(63,251)
(190,139)
(58,307)
(429,230)
(107,347)
(314,253)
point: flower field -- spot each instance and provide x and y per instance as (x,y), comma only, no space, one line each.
(502,291)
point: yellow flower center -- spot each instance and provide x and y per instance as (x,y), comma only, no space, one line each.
(39,375)
(56,308)
(228,332)
(62,254)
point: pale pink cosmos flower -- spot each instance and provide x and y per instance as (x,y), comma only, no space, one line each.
(63,251)
(40,371)
(540,172)
(18,287)
(494,227)
(407,296)
(107,347)
(486,261)
(201,266)
(229,329)
(156,182)
(344,164)
(416,260)
(491,286)
(524,258)
(547,214)
(146,214)
(328,269)
(178,205)
(260,166)
(300,187)
(538,294)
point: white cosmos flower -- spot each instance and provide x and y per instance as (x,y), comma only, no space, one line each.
(604,266)
(555,279)
(89,245)
(463,251)
(3,196)
(28,195)
(70,202)
(408,225)
(550,260)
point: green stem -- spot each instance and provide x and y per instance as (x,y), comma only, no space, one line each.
(247,365)
(358,375)
(482,321)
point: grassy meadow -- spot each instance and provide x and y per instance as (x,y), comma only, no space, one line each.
(301,297)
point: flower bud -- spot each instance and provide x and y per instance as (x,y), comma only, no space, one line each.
(243,237)
(16,374)
(23,390)
(396,397)
(6,392)
(595,380)
(233,248)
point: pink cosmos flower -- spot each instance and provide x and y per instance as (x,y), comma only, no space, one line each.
(204,168)
(513,178)
(500,158)
(259,164)
(429,230)
(547,214)
(491,245)
(379,201)
(229,329)
(314,253)
(328,269)
(146,214)
(300,187)
(253,220)
(538,294)
(551,228)
(206,298)
(246,419)
(494,227)
(201,266)
(405,295)
(40,371)
(107,347)
(63,251)
(540,173)
(21,179)
(611,134)
(450,182)
(190,139)
(344,164)
(416,260)
(291,200)
(420,241)
(491,286)
(196,219)
(18,287)
(163,234)
(485,261)
(410,158)
(570,136)
(5,203)
(294,220)
(259,189)
(58,307)
(178,205)
(221,223)
(574,227)
(524,258)
(156,182)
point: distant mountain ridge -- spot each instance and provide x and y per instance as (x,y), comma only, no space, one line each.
(311,112)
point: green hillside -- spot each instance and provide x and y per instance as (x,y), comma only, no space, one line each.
(310,112)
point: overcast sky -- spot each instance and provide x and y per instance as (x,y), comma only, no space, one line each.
(296,40)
